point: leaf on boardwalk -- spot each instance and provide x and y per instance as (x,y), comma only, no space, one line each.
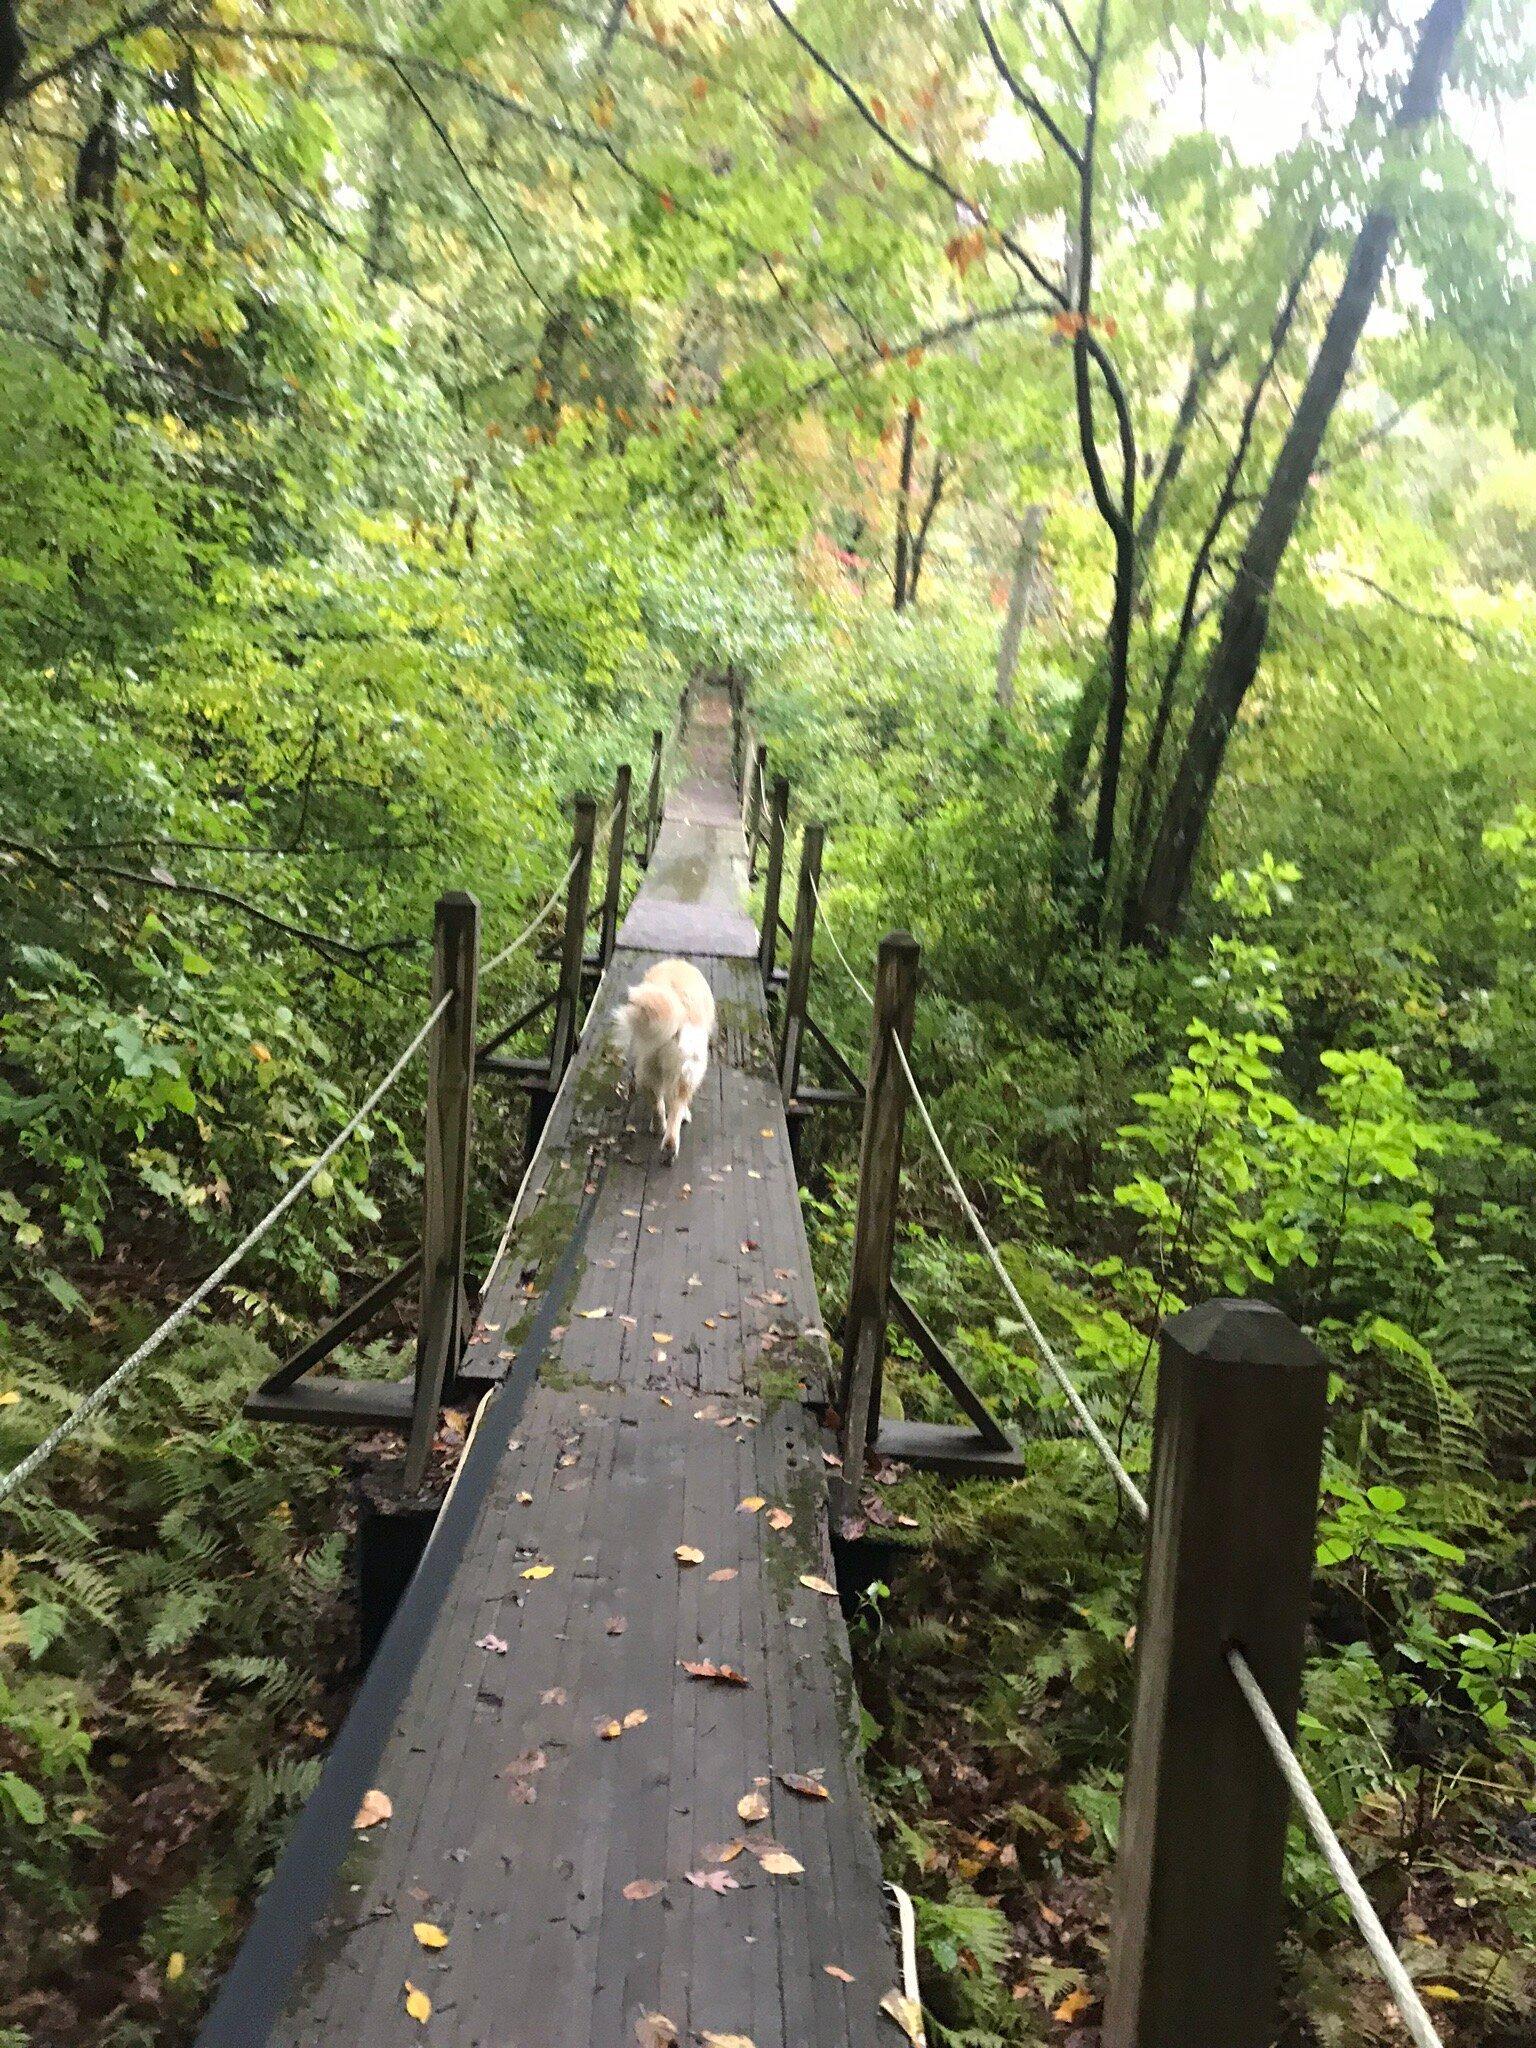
(636,1717)
(539,1571)
(521,1772)
(751,1504)
(784,1273)
(644,1887)
(779,1863)
(752,1806)
(831,1458)
(428,1935)
(496,1644)
(836,1970)
(376,1806)
(655,2030)
(808,1788)
(907,2014)
(686,1554)
(665,1400)
(609,1729)
(417,2003)
(776,1297)
(661,1336)
(722,1852)
(717,1674)
(818,1584)
(779,1518)
(749,1244)
(555,1697)
(593,1315)
(713,1881)
(725,2040)
(525,1500)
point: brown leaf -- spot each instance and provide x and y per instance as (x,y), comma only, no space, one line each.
(907,2014)
(717,1674)
(497,1645)
(722,1852)
(836,1970)
(713,1881)
(752,1806)
(808,1788)
(636,1717)
(779,1863)
(817,1584)
(644,1887)
(617,1624)
(726,1571)
(376,1806)
(779,1518)
(655,2030)
(554,1697)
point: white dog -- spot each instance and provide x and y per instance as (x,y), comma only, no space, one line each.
(665,1024)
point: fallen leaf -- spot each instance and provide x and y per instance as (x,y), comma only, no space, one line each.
(817,1584)
(429,1935)
(175,1963)
(722,1852)
(831,1458)
(686,1554)
(610,1731)
(1130,1637)
(784,1273)
(617,1624)
(636,1717)
(779,1518)
(417,2003)
(752,1806)
(555,1697)
(1074,2003)
(749,1244)
(724,2040)
(496,1644)
(836,1970)
(665,1400)
(1441,1991)
(661,1336)
(726,1571)
(9,1398)
(376,1806)
(713,1881)
(644,1887)
(717,1674)
(655,2030)
(751,1504)
(808,1788)
(709,1324)
(593,1315)
(907,1522)
(1049,1915)
(779,1863)
(525,1500)
(539,1571)
(907,2014)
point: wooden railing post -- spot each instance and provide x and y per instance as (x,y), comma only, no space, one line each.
(874,1235)
(757,785)
(798,988)
(608,930)
(653,800)
(1241,1404)
(445,1175)
(573,940)
(773,878)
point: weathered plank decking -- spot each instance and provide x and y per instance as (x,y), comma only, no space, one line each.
(647,1339)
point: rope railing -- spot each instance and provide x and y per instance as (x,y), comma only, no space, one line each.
(1372,1932)
(516,945)
(93,1402)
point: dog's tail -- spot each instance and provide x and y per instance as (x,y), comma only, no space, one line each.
(648,1017)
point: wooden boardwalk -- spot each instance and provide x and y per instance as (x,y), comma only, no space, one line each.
(645,1490)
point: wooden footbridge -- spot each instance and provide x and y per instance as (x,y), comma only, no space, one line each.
(613,1715)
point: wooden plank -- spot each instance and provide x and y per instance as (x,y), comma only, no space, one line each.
(332,1403)
(946,1447)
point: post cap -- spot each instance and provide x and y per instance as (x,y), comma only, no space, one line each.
(899,943)
(457,899)
(1232,1332)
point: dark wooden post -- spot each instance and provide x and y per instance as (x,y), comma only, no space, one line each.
(773,877)
(757,786)
(653,800)
(608,930)
(798,989)
(445,1175)
(1241,1405)
(874,1235)
(573,940)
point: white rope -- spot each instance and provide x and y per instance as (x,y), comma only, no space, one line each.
(1374,1935)
(535,921)
(20,1474)
(906,1916)
(837,949)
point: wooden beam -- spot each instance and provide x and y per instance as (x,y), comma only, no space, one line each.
(943,1367)
(1237,1450)
(653,799)
(798,988)
(445,1180)
(362,1311)
(874,1235)
(618,832)
(757,789)
(492,1045)
(325,1402)
(773,878)
(949,1449)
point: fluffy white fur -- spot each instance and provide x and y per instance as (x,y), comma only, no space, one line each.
(665,1025)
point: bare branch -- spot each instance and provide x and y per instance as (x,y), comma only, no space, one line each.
(1030,102)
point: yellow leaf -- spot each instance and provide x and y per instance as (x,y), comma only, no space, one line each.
(661,1336)
(752,1806)
(9,1398)
(686,1554)
(907,2014)
(417,2003)
(818,1585)
(779,1863)
(428,1935)
(1074,2003)
(376,1806)
(175,1963)
(259,1051)
(610,1731)
(539,1571)
(751,1504)
(636,1717)
(725,2040)
(1443,1991)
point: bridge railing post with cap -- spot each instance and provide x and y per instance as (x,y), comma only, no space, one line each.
(445,1175)
(653,799)
(1241,1405)
(797,990)
(568,989)
(773,878)
(618,832)
(874,1234)
(757,788)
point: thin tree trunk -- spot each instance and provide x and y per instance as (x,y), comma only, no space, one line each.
(1021,594)
(920,545)
(904,508)
(1245,621)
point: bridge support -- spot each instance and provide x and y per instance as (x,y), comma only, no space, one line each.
(756,790)
(773,878)
(567,1031)
(613,885)
(1237,1450)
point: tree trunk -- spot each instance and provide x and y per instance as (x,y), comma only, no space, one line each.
(904,508)
(920,545)
(1245,621)
(1021,595)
